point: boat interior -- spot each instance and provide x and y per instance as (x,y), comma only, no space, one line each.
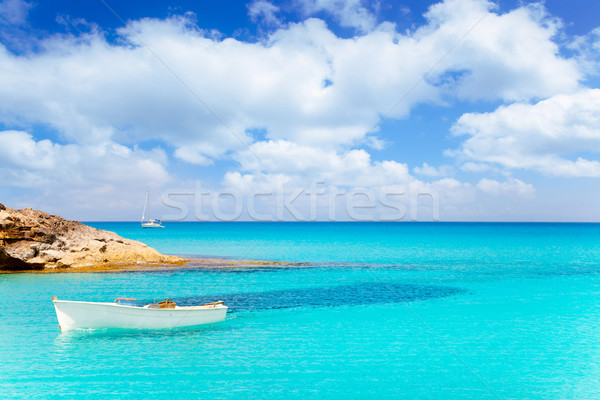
(165,304)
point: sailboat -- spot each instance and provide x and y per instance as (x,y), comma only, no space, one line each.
(149,223)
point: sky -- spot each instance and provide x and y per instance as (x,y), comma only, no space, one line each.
(449,110)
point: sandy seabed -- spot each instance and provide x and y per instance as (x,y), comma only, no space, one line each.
(188,263)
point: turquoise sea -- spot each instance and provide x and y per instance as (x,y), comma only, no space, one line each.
(379,311)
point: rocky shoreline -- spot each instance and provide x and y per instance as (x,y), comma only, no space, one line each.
(32,240)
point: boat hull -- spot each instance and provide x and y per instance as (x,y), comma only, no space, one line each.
(151,225)
(88,315)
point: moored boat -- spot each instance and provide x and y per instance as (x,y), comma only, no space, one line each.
(149,223)
(124,314)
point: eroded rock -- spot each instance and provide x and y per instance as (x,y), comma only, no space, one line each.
(32,239)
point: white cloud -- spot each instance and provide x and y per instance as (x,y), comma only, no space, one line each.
(105,175)
(474,166)
(303,84)
(311,164)
(375,142)
(349,13)
(311,92)
(546,136)
(14,12)
(428,170)
(262,9)
(80,165)
(110,179)
(511,186)
(509,56)
(288,168)
(198,153)
(587,51)
(18,149)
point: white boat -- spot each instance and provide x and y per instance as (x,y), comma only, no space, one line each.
(153,223)
(149,223)
(125,315)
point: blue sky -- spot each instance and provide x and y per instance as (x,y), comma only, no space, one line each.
(479,111)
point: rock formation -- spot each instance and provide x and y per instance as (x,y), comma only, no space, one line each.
(31,239)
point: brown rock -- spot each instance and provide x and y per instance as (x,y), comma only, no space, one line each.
(9,263)
(32,239)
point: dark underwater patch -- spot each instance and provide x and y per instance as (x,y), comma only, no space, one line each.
(331,296)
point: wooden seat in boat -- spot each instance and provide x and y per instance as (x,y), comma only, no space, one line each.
(216,303)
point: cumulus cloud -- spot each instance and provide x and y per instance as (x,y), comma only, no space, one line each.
(66,173)
(352,169)
(287,169)
(81,165)
(349,13)
(310,93)
(20,150)
(587,51)
(409,199)
(428,170)
(511,186)
(510,56)
(265,11)
(547,136)
(303,83)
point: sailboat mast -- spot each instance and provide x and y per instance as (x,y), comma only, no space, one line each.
(144,210)
(148,203)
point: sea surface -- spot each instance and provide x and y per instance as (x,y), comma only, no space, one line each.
(378,311)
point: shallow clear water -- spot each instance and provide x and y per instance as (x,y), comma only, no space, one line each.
(398,311)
